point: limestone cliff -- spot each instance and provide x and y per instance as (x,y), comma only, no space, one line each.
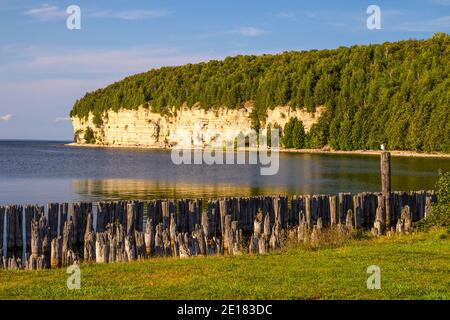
(144,128)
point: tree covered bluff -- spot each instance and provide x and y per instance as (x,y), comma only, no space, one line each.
(393,93)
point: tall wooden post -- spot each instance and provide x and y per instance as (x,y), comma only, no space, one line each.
(386,184)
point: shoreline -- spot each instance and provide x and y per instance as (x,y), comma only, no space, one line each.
(394,153)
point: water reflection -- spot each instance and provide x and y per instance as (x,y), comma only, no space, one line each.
(40,172)
(115,189)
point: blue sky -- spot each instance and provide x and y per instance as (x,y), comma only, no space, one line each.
(44,67)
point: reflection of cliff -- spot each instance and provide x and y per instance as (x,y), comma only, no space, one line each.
(142,127)
(115,189)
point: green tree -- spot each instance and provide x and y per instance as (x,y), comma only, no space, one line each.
(288,133)
(298,135)
(97,120)
(89,136)
(293,134)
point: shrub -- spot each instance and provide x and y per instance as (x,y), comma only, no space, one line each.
(98,121)
(76,136)
(89,136)
(440,211)
(294,134)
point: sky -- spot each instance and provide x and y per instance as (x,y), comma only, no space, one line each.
(45,67)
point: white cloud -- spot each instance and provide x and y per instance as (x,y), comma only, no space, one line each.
(46,13)
(62,119)
(285,15)
(106,63)
(442,2)
(393,13)
(6,117)
(50,96)
(131,14)
(50,13)
(250,31)
(431,25)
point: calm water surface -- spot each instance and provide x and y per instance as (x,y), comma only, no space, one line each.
(43,171)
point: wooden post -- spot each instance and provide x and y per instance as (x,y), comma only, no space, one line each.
(139,239)
(18,240)
(227,239)
(277,209)
(131,217)
(385,172)
(53,220)
(165,214)
(149,237)
(236,237)
(386,184)
(333,210)
(159,244)
(308,210)
(223,208)
(116,236)
(102,247)
(349,219)
(63,209)
(359,218)
(56,252)
(10,231)
(67,242)
(2,219)
(89,239)
(35,261)
(102,212)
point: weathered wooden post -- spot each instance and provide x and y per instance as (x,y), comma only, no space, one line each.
(385,171)
(149,237)
(67,243)
(2,219)
(102,247)
(56,252)
(2,224)
(36,258)
(308,210)
(386,184)
(89,239)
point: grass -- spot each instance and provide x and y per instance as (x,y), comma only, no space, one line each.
(414,266)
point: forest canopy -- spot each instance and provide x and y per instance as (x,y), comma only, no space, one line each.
(393,93)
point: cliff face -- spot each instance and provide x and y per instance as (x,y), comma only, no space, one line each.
(143,128)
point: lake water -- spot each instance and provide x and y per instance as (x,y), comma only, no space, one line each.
(44,171)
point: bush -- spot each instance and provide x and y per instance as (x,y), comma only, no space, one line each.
(98,121)
(317,137)
(76,136)
(294,134)
(440,211)
(89,136)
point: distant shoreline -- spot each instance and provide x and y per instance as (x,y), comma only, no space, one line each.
(394,153)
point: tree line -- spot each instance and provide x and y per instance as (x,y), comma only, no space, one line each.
(393,93)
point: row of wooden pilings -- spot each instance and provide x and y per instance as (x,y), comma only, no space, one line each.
(35,237)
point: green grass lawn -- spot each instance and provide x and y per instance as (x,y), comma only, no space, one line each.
(412,267)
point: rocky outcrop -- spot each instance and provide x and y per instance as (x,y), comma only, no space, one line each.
(144,128)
